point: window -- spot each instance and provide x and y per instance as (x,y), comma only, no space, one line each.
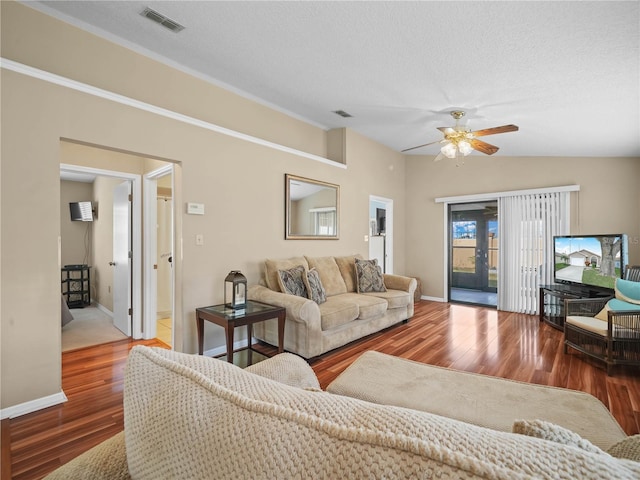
(324,221)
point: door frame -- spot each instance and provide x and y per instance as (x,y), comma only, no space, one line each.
(151,249)
(447,235)
(136,236)
(388,245)
(480,277)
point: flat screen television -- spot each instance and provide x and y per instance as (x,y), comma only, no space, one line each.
(592,261)
(81,211)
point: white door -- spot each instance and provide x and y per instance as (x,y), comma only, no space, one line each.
(159,256)
(164,257)
(122,257)
(376,202)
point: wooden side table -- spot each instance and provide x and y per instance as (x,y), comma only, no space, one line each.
(229,319)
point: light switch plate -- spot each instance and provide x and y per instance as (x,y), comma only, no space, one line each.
(195,208)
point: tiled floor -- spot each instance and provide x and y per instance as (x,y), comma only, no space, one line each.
(163,332)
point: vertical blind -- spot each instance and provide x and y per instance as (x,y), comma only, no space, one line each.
(324,221)
(527,225)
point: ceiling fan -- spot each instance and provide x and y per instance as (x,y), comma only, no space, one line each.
(460,140)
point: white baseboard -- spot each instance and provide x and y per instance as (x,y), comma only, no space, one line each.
(104,309)
(223,349)
(33,405)
(433,299)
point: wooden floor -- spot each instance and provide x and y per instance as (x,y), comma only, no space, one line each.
(92,380)
(474,339)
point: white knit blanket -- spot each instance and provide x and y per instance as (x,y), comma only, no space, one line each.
(192,417)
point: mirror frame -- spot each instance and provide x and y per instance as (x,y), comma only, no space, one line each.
(288,235)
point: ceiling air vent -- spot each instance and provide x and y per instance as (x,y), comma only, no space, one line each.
(342,113)
(172,25)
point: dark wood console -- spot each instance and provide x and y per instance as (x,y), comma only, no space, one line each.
(552,299)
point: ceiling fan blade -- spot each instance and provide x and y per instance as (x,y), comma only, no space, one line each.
(483,147)
(439,157)
(420,146)
(494,130)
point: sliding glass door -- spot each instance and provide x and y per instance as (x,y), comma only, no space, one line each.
(473,253)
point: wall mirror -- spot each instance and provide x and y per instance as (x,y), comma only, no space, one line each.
(312,209)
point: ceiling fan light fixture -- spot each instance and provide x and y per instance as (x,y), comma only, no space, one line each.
(449,150)
(460,138)
(464,147)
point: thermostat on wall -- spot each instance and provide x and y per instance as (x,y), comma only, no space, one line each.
(195,208)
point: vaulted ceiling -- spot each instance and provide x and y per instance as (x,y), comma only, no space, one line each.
(566,72)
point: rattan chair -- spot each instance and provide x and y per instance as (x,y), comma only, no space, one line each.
(632,273)
(616,341)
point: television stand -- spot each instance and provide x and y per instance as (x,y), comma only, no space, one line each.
(76,285)
(552,299)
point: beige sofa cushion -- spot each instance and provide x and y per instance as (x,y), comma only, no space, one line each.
(347,266)
(330,276)
(337,311)
(105,461)
(189,416)
(271,268)
(368,306)
(395,298)
(591,324)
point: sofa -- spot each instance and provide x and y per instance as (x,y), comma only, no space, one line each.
(343,299)
(194,417)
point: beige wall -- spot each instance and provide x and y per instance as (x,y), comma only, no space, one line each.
(51,45)
(608,200)
(240,183)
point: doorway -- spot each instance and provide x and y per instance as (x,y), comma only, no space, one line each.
(473,253)
(159,254)
(110,254)
(381,232)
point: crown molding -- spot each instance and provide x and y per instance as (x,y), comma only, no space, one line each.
(147,107)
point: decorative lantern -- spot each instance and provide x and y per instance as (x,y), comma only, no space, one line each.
(235,290)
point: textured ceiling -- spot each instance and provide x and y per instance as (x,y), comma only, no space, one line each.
(566,72)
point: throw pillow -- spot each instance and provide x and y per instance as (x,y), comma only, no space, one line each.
(369,276)
(287,368)
(271,268)
(602,314)
(628,291)
(314,286)
(329,271)
(555,433)
(291,281)
(628,448)
(617,305)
